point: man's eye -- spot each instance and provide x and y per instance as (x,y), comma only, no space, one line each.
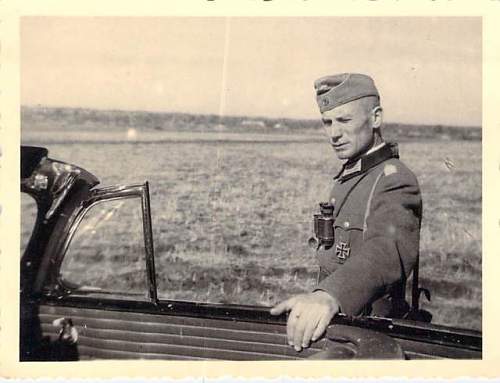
(343,120)
(327,122)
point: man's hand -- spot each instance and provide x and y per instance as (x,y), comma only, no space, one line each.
(310,315)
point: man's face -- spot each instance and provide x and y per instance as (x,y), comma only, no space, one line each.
(349,128)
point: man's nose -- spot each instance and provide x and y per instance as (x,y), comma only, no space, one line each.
(335,132)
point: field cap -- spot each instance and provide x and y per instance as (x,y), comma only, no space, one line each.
(335,90)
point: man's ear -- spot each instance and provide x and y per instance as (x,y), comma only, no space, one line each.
(377,114)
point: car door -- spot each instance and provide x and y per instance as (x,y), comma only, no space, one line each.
(99,297)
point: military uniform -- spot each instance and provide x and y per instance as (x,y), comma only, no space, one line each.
(378,211)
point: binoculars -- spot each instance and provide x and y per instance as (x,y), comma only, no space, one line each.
(323,227)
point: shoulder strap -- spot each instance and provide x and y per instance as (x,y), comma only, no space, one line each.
(369,202)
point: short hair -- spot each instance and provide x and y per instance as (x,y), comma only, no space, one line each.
(370,102)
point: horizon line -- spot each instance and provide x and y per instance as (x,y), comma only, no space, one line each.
(33,106)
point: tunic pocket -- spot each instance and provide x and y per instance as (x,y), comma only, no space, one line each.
(348,235)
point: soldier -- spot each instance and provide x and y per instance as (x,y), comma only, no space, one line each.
(378,211)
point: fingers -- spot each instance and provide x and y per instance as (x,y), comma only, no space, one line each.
(321,327)
(291,325)
(304,327)
(301,327)
(283,306)
(310,314)
(301,324)
(310,329)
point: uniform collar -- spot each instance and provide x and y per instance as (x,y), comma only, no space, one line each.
(352,168)
(375,148)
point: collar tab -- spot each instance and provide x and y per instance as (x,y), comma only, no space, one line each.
(367,161)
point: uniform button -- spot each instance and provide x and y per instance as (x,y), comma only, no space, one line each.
(346,224)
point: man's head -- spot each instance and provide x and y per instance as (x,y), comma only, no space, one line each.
(351,113)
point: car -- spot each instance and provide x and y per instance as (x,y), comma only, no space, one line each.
(64,315)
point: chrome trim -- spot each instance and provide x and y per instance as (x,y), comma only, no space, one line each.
(148,243)
(97,196)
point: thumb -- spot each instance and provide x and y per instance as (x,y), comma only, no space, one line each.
(283,306)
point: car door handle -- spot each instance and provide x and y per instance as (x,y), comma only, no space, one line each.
(67,332)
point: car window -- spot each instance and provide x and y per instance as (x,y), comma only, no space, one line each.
(107,251)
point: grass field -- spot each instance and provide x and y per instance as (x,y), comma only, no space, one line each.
(231,217)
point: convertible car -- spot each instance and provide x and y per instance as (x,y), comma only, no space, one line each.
(62,317)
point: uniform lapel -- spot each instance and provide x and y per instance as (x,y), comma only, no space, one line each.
(357,170)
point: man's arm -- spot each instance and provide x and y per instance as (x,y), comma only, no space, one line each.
(389,250)
(390,247)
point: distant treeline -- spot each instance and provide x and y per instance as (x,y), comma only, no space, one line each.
(50,118)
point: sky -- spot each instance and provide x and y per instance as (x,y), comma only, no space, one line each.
(427,69)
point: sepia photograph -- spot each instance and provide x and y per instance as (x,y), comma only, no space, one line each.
(250,188)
